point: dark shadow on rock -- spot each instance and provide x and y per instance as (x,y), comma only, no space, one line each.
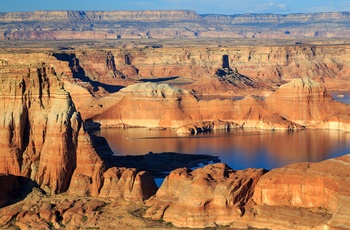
(157,80)
(160,164)
(90,125)
(102,148)
(79,73)
(15,188)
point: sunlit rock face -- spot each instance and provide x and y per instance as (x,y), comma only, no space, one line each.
(322,187)
(42,136)
(308,103)
(211,196)
(150,105)
(302,103)
(40,124)
(301,195)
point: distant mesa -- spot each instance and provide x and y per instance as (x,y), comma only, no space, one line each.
(56,25)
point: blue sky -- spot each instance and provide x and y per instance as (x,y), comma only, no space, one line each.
(200,6)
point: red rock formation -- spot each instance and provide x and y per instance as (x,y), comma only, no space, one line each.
(42,137)
(152,105)
(307,103)
(208,197)
(128,184)
(301,195)
(267,66)
(317,186)
(296,105)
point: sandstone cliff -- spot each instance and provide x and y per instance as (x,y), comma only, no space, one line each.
(215,70)
(296,105)
(42,135)
(315,186)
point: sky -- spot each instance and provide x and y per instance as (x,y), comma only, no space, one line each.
(227,7)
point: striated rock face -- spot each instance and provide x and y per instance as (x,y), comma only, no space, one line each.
(303,195)
(305,102)
(128,184)
(42,136)
(221,68)
(296,105)
(150,105)
(322,187)
(36,112)
(211,196)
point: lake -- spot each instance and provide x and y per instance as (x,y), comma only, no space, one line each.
(240,149)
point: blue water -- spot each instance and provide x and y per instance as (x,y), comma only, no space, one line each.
(240,149)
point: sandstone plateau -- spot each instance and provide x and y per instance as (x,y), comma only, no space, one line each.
(216,67)
(50,25)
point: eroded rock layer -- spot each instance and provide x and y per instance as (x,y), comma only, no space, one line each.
(215,69)
(212,196)
(296,105)
(42,135)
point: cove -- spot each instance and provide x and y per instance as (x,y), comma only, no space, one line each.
(238,148)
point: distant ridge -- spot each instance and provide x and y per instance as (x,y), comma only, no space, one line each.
(98,16)
(49,25)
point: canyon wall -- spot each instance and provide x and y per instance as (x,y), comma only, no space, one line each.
(264,67)
(42,135)
(48,25)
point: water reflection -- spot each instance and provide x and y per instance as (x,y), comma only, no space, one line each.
(239,148)
(340,96)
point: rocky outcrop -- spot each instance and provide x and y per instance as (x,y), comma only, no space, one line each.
(314,186)
(301,195)
(211,196)
(204,127)
(149,105)
(307,103)
(42,135)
